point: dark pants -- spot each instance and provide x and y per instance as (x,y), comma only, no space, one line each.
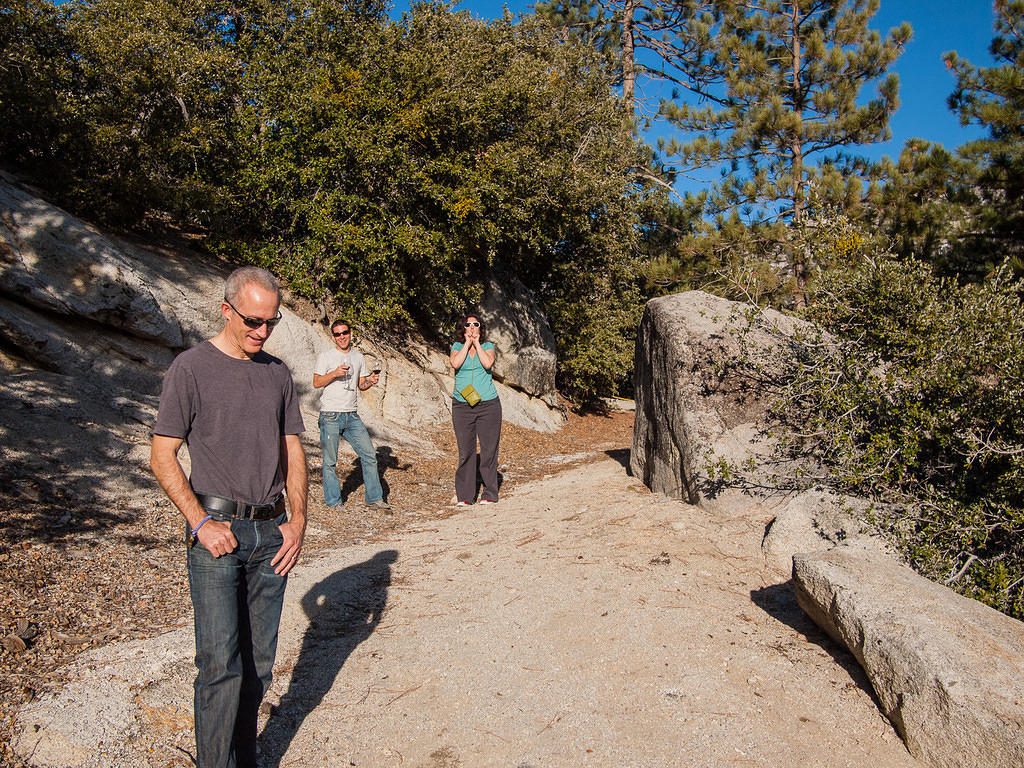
(480,422)
(237,600)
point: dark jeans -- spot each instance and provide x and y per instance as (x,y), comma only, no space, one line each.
(480,422)
(237,601)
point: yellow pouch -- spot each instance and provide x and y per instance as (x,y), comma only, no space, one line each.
(472,396)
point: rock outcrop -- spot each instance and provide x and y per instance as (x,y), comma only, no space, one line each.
(695,400)
(89,323)
(519,328)
(946,669)
(815,520)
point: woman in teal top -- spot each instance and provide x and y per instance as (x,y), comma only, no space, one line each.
(473,357)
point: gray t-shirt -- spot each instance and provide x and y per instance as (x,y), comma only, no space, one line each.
(231,413)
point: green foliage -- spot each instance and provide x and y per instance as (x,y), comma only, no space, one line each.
(914,401)
(927,208)
(394,177)
(963,212)
(384,169)
(153,101)
(781,84)
(36,69)
(593,23)
(993,97)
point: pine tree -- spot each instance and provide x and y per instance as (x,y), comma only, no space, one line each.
(645,38)
(993,97)
(926,208)
(781,84)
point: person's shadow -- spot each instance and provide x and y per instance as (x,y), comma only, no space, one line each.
(386,459)
(343,610)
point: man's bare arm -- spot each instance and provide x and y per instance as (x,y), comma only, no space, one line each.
(163,460)
(293,464)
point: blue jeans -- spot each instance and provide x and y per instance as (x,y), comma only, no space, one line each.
(333,426)
(237,601)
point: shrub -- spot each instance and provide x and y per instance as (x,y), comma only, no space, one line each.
(915,401)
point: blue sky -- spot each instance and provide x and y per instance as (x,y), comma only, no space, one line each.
(961,25)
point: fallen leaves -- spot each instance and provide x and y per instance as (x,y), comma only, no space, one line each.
(77,576)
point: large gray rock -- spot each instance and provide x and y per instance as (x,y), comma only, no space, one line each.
(946,669)
(90,323)
(816,520)
(696,402)
(56,263)
(526,346)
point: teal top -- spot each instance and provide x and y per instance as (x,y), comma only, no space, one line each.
(473,372)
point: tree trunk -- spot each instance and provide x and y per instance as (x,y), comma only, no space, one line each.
(628,56)
(799,254)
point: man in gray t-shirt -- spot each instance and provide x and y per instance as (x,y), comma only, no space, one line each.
(235,408)
(342,373)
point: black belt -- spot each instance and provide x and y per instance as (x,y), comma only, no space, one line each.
(238,509)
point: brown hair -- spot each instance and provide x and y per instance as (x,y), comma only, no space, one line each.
(460,330)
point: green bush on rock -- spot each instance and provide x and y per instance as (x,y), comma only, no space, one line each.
(909,394)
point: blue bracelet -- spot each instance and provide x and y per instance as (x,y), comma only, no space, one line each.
(201,524)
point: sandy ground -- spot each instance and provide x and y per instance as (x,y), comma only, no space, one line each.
(582,621)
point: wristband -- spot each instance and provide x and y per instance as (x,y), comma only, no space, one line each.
(201,524)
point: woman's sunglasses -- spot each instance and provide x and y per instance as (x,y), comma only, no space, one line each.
(255,322)
(472,324)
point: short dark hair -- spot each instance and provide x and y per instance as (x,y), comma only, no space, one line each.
(340,321)
(460,330)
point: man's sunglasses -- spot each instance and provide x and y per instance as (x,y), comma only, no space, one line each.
(255,322)
(472,324)
(343,333)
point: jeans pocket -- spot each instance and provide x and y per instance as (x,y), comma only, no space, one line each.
(270,536)
(273,532)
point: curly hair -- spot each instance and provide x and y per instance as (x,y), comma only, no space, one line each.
(460,329)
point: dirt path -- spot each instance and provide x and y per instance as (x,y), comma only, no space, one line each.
(582,621)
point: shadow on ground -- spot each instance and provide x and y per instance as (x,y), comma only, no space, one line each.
(779,600)
(344,609)
(621,455)
(387,460)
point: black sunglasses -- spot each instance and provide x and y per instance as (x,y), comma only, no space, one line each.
(255,322)
(472,324)
(343,333)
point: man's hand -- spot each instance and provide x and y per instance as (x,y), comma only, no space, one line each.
(293,465)
(322,380)
(288,554)
(217,538)
(163,460)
